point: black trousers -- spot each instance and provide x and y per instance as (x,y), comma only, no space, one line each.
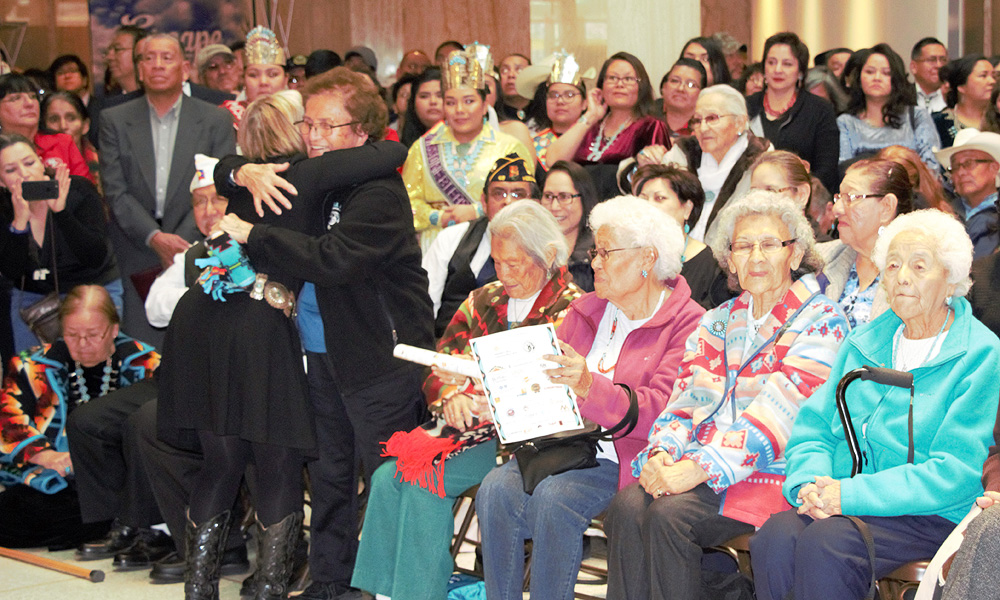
(350,430)
(29,518)
(110,476)
(171,472)
(655,545)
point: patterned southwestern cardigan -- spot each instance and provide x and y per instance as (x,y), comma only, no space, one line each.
(34,407)
(734,419)
(485,312)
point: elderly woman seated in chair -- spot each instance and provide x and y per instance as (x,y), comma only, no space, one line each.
(72,380)
(408,524)
(918,451)
(713,466)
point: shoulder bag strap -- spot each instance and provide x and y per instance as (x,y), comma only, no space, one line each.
(628,422)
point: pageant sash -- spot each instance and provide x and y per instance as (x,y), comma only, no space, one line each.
(450,189)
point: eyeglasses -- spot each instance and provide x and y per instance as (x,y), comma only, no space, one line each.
(773,190)
(851,199)
(708,120)
(501,194)
(677,82)
(767,246)
(604,252)
(325,129)
(968,165)
(629,81)
(86,338)
(562,198)
(117,50)
(568,95)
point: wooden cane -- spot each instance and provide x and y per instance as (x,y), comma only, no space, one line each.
(47,563)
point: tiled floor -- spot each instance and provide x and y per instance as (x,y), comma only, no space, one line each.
(21,581)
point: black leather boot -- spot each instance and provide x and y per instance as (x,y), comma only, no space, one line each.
(204,543)
(275,557)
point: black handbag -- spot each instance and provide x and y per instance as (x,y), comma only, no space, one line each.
(561,452)
(42,316)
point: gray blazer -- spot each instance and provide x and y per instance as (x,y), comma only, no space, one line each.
(128,171)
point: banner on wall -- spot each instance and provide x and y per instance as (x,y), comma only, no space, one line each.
(196,23)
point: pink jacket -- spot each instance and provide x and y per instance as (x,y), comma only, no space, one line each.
(649,363)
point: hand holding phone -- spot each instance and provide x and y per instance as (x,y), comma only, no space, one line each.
(35,191)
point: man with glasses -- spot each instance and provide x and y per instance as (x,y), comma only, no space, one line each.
(926,60)
(459,260)
(217,68)
(147,161)
(973,163)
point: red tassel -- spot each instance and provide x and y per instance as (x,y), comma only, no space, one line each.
(420,458)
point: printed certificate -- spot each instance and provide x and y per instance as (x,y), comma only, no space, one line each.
(524,403)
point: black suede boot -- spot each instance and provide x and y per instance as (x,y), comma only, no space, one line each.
(204,544)
(275,557)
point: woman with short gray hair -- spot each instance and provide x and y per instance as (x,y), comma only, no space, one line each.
(923,444)
(404,557)
(530,225)
(720,152)
(630,330)
(759,203)
(714,461)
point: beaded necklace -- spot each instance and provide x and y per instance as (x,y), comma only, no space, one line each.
(460,164)
(598,147)
(777,113)
(78,382)
(614,328)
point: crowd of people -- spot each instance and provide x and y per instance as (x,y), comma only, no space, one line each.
(242,240)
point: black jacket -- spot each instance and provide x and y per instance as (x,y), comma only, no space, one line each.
(370,287)
(81,244)
(808,129)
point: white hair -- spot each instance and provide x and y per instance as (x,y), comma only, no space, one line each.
(764,203)
(535,230)
(637,224)
(734,101)
(944,233)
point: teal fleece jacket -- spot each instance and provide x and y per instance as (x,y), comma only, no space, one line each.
(954,409)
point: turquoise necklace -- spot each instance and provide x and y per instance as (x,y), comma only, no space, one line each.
(79,382)
(461,159)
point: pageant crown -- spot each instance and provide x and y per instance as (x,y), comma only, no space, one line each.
(263,48)
(565,69)
(468,68)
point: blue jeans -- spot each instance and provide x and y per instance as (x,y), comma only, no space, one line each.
(555,517)
(23,338)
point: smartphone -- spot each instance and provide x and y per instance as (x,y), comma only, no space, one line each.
(40,190)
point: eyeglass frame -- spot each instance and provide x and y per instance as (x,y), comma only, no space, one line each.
(689,85)
(562,198)
(89,338)
(708,121)
(853,199)
(615,80)
(760,244)
(568,95)
(501,194)
(603,253)
(319,127)
(965,164)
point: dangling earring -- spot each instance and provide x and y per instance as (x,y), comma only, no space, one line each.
(947,301)
(881,230)
(687,229)
(644,274)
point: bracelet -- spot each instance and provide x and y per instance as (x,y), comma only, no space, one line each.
(434,217)
(13,229)
(583,119)
(480,211)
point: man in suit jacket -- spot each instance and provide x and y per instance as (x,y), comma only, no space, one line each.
(147,161)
